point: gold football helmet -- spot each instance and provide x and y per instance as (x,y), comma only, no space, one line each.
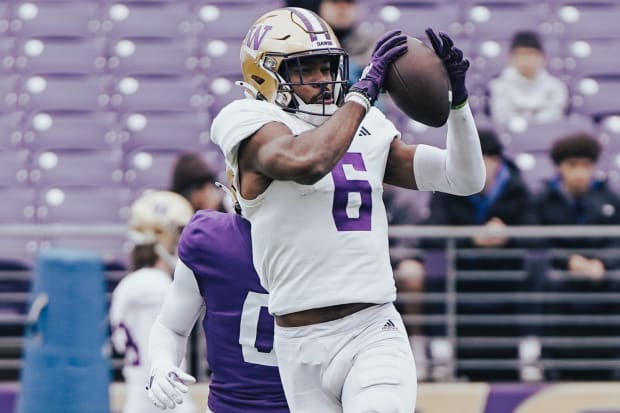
(158,217)
(276,44)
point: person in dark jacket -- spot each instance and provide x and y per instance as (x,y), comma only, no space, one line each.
(503,201)
(575,196)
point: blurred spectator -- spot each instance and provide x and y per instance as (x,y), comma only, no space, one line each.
(524,88)
(577,197)
(503,202)
(344,17)
(194,179)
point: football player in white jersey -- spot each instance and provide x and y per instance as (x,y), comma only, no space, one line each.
(310,161)
(156,220)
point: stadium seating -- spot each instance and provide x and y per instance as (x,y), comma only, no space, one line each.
(415,18)
(75,167)
(74,93)
(220,57)
(83,205)
(84,130)
(59,19)
(60,56)
(149,170)
(592,58)
(168,93)
(538,137)
(7,59)
(580,19)
(146,20)
(8,95)
(228,19)
(10,135)
(18,205)
(164,131)
(140,57)
(14,167)
(596,98)
(499,20)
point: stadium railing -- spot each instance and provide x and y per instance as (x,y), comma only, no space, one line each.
(466,334)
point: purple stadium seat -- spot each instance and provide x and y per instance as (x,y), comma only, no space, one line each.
(597,97)
(497,20)
(144,57)
(171,131)
(592,57)
(538,137)
(221,91)
(17,253)
(8,92)
(228,19)
(582,19)
(94,205)
(61,19)
(415,18)
(76,93)
(220,56)
(147,20)
(535,169)
(85,130)
(76,168)
(5,17)
(18,205)
(149,170)
(14,167)
(60,56)
(10,131)
(157,94)
(7,54)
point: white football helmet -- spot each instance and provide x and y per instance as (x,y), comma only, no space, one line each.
(158,217)
(277,42)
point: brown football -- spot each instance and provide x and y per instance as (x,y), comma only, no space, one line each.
(419,85)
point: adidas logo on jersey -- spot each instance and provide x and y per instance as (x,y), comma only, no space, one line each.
(363,132)
(389,325)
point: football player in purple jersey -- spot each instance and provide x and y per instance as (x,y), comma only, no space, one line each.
(215,276)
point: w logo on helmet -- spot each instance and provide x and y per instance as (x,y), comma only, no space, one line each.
(256,35)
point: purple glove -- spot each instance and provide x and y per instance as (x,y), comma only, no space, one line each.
(456,66)
(390,46)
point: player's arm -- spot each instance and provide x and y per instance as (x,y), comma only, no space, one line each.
(168,339)
(275,152)
(458,169)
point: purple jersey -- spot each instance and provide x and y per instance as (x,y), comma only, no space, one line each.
(238,328)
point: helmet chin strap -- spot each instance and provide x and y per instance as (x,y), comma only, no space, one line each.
(313,112)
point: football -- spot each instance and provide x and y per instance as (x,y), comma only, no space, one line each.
(419,85)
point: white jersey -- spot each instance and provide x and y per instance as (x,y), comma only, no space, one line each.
(136,302)
(323,244)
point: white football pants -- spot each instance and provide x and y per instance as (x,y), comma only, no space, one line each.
(361,363)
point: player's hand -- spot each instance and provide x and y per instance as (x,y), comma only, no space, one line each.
(453,61)
(390,46)
(166,386)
